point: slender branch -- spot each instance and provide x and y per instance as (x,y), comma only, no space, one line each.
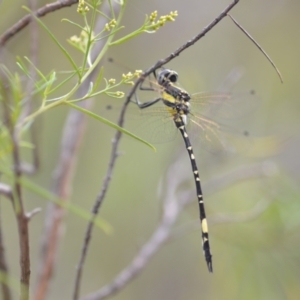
(95,210)
(62,181)
(257,45)
(74,129)
(100,197)
(118,135)
(22,23)
(22,221)
(191,42)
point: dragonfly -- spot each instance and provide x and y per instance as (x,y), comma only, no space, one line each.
(177,107)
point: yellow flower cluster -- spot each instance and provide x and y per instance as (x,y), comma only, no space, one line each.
(82,40)
(112,24)
(119,94)
(156,24)
(82,8)
(127,78)
(112,81)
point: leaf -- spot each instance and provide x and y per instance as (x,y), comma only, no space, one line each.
(105,226)
(64,51)
(111,124)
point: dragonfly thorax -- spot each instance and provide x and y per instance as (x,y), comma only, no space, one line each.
(179,109)
(166,78)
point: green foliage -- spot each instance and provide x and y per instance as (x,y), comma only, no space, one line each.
(14,96)
(85,42)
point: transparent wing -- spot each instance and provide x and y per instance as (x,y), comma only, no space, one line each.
(155,124)
(215,122)
(219,121)
(224,106)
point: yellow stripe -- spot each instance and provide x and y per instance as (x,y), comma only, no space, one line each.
(204,226)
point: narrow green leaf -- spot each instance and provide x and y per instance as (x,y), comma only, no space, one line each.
(98,79)
(75,24)
(62,83)
(64,51)
(111,124)
(104,225)
(36,69)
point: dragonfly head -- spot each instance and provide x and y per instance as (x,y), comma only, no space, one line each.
(167,76)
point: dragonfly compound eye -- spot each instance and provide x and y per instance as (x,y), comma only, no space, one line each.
(167,75)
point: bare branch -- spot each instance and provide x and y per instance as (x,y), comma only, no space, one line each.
(32,213)
(191,42)
(73,131)
(18,202)
(107,179)
(257,45)
(62,181)
(22,23)
(158,236)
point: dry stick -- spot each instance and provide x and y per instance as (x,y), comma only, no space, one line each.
(171,212)
(62,179)
(162,62)
(118,134)
(95,210)
(22,221)
(100,197)
(257,45)
(22,23)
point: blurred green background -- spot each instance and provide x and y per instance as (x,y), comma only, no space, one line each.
(256,258)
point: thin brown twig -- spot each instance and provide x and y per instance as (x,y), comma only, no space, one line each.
(122,118)
(22,222)
(191,42)
(62,181)
(257,45)
(18,204)
(22,23)
(107,179)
